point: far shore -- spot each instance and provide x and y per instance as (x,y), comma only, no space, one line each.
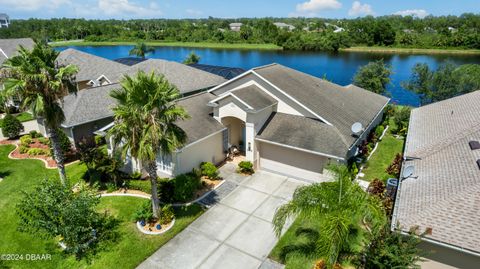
(248,46)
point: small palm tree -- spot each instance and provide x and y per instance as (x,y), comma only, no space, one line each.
(145,123)
(42,84)
(141,49)
(343,208)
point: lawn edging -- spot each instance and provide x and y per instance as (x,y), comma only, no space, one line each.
(35,158)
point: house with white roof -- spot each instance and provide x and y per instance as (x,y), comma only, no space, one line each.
(4,20)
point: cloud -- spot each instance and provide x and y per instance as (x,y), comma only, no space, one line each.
(33,5)
(125,8)
(312,7)
(421,13)
(194,12)
(359,9)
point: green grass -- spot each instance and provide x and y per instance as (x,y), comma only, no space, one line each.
(211,45)
(131,248)
(376,49)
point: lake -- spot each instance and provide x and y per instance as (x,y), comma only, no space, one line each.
(337,67)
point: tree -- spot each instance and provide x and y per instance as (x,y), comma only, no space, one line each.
(11,126)
(141,49)
(52,210)
(192,58)
(145,123)
(341,204)
(42,84)
(374,77)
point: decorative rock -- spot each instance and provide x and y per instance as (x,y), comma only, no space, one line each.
(159,227)
(142,222)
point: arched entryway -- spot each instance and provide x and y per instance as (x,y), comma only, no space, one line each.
(236,132)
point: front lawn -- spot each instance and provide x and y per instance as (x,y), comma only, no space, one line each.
(131,248)
(22,117)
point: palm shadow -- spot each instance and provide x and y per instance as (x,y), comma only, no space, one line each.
(307,248)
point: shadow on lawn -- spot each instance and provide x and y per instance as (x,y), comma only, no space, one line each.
(307,248)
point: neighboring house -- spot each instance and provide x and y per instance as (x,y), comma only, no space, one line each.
(336,28)
(4,20)
(235,26)
(8,49)
(281,120)
(442,196)
(283,25)
(225,72)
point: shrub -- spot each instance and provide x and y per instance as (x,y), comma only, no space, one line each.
(44,140)
(379,130)
(246,167)
(144,212)
(26,140)
(99,140)
(167,214)
(65,143)
(11,126)
(35,134)
(185,186)
(23,149)
(394,167)
(37,151)
(166,189)
(209,170)
(111,187)
(140,185)
(136,175)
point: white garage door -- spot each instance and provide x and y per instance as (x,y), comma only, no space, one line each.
(290,162)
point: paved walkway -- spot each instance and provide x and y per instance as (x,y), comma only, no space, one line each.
(28,125)
(236,232)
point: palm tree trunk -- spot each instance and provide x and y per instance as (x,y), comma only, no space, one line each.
(151,168)
(58,155)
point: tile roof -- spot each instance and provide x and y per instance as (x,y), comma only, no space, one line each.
(254,97)
(304,133)
(10,47)
(444,192)
(341,106)
(90,66)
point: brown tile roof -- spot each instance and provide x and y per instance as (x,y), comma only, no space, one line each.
(444,192)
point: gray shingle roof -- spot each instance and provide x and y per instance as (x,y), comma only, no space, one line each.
(10,47)
(201,123)
(186,78)
(90,66)
(302,132)
(446,194)
(254,97)
(341,106)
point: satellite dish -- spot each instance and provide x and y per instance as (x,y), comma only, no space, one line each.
(357,128)
(408,171)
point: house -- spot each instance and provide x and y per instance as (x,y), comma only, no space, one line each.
(4,20)
(442,195)
(8,49)
(281,119)
(90,108)
(285,26)
(235,26)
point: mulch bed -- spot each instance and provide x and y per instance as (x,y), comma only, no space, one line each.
(207,185)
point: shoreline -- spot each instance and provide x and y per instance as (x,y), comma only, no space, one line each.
(410,50)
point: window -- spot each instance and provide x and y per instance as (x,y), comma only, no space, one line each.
(225,140)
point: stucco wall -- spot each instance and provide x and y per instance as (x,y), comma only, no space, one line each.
(235,128)
(442,258)
(372,126)
(291,162)
(208,150)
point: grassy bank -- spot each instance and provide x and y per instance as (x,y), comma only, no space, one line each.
(411,50)
(174,44)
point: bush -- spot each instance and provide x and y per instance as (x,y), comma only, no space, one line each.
(44,140)
(209,170)
(246,167)
(37,151)
(11,126)
(111,187)
(167,214)
(65,143)
(394,168)
(379,130)
(35,134)
(185,186)
(26,140)
(166,189)
(136,175)
(23,149)
(99,140)
(144,213)
(140,185)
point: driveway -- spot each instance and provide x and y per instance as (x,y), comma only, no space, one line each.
(234,233)
(28,125)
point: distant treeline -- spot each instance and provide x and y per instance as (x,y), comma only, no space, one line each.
(309,33)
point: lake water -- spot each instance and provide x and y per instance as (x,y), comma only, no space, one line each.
(337,67)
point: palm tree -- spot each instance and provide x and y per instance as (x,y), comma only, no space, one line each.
(145,123)
(141,49)
(341,205)
(42,84)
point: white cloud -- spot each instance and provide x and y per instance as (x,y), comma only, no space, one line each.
(127,9)
(312,7)
(421,13)
(33,5)
(359,9)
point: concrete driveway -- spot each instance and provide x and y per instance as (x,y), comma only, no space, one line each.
(235,233)
(28,125)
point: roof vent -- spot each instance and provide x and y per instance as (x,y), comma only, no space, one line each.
(474,145)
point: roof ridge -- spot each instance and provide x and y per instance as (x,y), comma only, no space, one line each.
(265,66)
(449,140)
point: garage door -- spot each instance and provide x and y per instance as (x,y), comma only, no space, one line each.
(290,162)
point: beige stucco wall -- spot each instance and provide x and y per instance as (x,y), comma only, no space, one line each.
(291,162)
(438,257)
(207,150)
(229,107)
(235,127)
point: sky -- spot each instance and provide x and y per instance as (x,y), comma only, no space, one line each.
(128,9)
